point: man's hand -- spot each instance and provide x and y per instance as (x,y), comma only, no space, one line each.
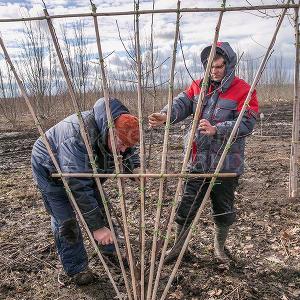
(206,128)
(103,236)
(157,119)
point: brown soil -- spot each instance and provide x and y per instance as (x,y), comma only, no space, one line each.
(264,241)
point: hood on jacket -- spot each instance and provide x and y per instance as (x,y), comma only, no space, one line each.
(117,109)
(224,49)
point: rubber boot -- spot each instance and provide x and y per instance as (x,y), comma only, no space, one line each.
(221,233)
(181,233)
(179,230)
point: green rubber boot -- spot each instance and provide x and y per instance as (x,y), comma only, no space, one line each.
(221,233)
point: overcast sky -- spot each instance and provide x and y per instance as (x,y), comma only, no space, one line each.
(244,30)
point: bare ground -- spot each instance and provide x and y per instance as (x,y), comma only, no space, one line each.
(265,240)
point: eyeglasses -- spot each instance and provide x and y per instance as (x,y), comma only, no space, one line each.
(218,67)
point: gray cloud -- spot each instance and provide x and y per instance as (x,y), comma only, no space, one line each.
(243,30)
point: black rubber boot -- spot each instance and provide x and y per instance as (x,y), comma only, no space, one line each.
(181,234)
(221,233)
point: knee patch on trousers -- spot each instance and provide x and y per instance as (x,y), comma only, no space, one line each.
(70,231)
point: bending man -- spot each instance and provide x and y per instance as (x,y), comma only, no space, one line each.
(66,141)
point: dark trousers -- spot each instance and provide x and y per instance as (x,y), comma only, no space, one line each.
(66,231)
(65,228)
(222,199)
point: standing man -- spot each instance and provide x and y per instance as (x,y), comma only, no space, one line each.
(66,141)
(220,110)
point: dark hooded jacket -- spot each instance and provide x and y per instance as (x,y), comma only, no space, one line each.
(66,141)
(221,107)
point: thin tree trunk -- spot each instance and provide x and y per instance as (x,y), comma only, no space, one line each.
(293,178)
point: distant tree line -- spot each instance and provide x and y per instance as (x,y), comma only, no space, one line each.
(41,74)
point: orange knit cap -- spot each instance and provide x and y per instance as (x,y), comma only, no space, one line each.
(127,129)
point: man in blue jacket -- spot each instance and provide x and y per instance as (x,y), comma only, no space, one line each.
(220,110)
(67,144)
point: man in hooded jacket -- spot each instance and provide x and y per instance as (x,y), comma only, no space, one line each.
(220,110)
(69,149)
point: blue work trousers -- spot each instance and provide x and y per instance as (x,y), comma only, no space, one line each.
(66,230)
